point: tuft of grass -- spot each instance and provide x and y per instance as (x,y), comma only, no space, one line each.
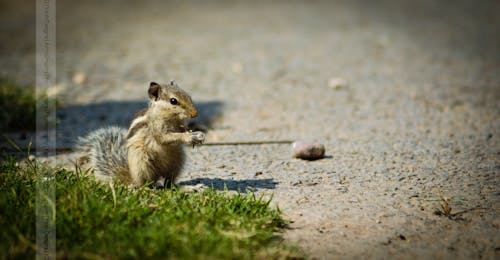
(446,210)
(95,220)
(18,106)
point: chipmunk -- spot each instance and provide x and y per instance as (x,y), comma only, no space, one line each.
(152,148)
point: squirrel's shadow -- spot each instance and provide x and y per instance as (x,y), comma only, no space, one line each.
(78,120)
(234,185)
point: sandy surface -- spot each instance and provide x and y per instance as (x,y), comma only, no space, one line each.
(419,118)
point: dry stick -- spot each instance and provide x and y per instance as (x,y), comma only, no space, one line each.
(248,143)
(70,149)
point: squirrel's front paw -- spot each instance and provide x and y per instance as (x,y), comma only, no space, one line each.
(196,138)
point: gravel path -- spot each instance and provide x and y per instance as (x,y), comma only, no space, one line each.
(417,120)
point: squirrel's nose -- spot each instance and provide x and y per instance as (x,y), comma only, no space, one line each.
(194,113)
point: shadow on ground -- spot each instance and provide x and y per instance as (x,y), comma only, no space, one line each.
(234,185)
(74,121)
(119,113)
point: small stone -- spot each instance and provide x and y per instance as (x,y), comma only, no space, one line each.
(79,78)
(237,67)
(343,189)
(308,150)
(337,83)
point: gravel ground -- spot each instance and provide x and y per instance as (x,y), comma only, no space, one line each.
(418,119)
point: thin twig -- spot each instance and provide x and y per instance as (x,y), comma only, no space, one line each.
(248,143)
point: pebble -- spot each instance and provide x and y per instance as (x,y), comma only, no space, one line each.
(308,150)
(237,67)
(337,83)
(79,78)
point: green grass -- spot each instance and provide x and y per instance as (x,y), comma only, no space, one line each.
(18,106)
(91,222)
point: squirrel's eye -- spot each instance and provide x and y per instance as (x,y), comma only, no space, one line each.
(173,101)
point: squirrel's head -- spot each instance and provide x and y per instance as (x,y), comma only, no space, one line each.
(169,100)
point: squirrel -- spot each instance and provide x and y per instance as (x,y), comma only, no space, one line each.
(152,147)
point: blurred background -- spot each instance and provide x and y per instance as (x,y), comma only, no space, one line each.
(275,63)
(405,95)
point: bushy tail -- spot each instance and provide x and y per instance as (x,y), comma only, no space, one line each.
(105,151)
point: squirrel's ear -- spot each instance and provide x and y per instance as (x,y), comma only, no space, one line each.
(153,91)
(173,83)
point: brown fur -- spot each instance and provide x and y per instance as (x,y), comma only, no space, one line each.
(123,175)
(134,128)
(157,134)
